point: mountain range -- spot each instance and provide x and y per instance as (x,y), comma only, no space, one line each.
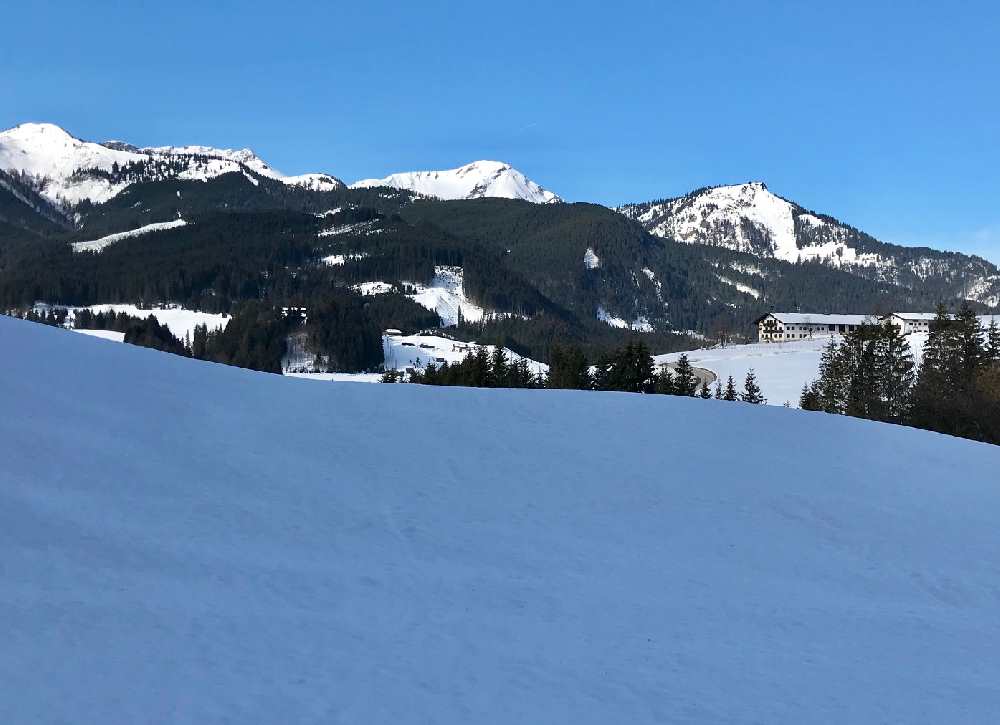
(216,229)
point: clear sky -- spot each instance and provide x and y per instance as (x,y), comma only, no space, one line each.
(886,115)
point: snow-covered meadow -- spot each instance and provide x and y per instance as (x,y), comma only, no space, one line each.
(180,321)
(782,368)
(194,543)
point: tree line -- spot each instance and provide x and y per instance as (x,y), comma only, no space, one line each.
(630,368)
(871,374)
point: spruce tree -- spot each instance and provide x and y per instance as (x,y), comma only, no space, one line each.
(895,374)
(863,392)
(993,342)
(832,384)
(705,393)
(971,353)
(730,393)
(809,398)
(568,369)
(751,391)
(685,382)
(499,373)
(935,384)
(664,384)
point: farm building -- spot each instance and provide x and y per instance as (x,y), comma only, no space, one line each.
(787,326)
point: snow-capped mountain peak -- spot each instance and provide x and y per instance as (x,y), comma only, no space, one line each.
(746,217)
(67,170)
(473,181)
(49,154)
(749,218)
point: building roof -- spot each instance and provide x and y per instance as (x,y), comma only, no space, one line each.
(805,318)
(915,315)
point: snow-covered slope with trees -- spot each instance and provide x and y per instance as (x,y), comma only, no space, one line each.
(247,158)
(472,181)
(194,543)
(55,159)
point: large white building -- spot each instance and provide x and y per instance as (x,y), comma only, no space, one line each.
(909,322)
(787,326)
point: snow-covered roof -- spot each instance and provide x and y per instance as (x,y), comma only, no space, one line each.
(915,315)
(803,318)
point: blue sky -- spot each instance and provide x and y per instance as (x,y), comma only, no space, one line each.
(885,116)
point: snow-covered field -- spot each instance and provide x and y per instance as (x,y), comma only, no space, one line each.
(417,351)
(781,368)
(180,321)
(230,546)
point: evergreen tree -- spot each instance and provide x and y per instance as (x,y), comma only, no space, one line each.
(934,384)
(971,351)
(751,391)
(896,375)
(718,389)
(863,391)
(810,398)
(568,369)
(705,393)
(832,386)
(499,373)
(685,382)
(993,342)
(664,384)
(730,393)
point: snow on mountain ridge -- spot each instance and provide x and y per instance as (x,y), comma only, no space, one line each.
(53,157)
(751,219)
(475,180)
(748,215)
(59,163)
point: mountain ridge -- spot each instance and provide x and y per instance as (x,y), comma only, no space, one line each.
(749,218)
(474,180)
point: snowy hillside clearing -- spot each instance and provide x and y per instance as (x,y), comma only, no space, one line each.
(640,324)
(180,321)
(195,543)
(98,245)
(444,295)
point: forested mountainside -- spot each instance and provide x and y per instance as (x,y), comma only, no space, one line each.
(750,218)
(219,230)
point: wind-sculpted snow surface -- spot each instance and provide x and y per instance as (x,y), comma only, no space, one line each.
(191,543)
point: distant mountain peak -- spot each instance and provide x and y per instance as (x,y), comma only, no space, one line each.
(478,179)
(751,219)
(67,170)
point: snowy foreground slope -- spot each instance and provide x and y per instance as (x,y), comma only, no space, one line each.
(190,543)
